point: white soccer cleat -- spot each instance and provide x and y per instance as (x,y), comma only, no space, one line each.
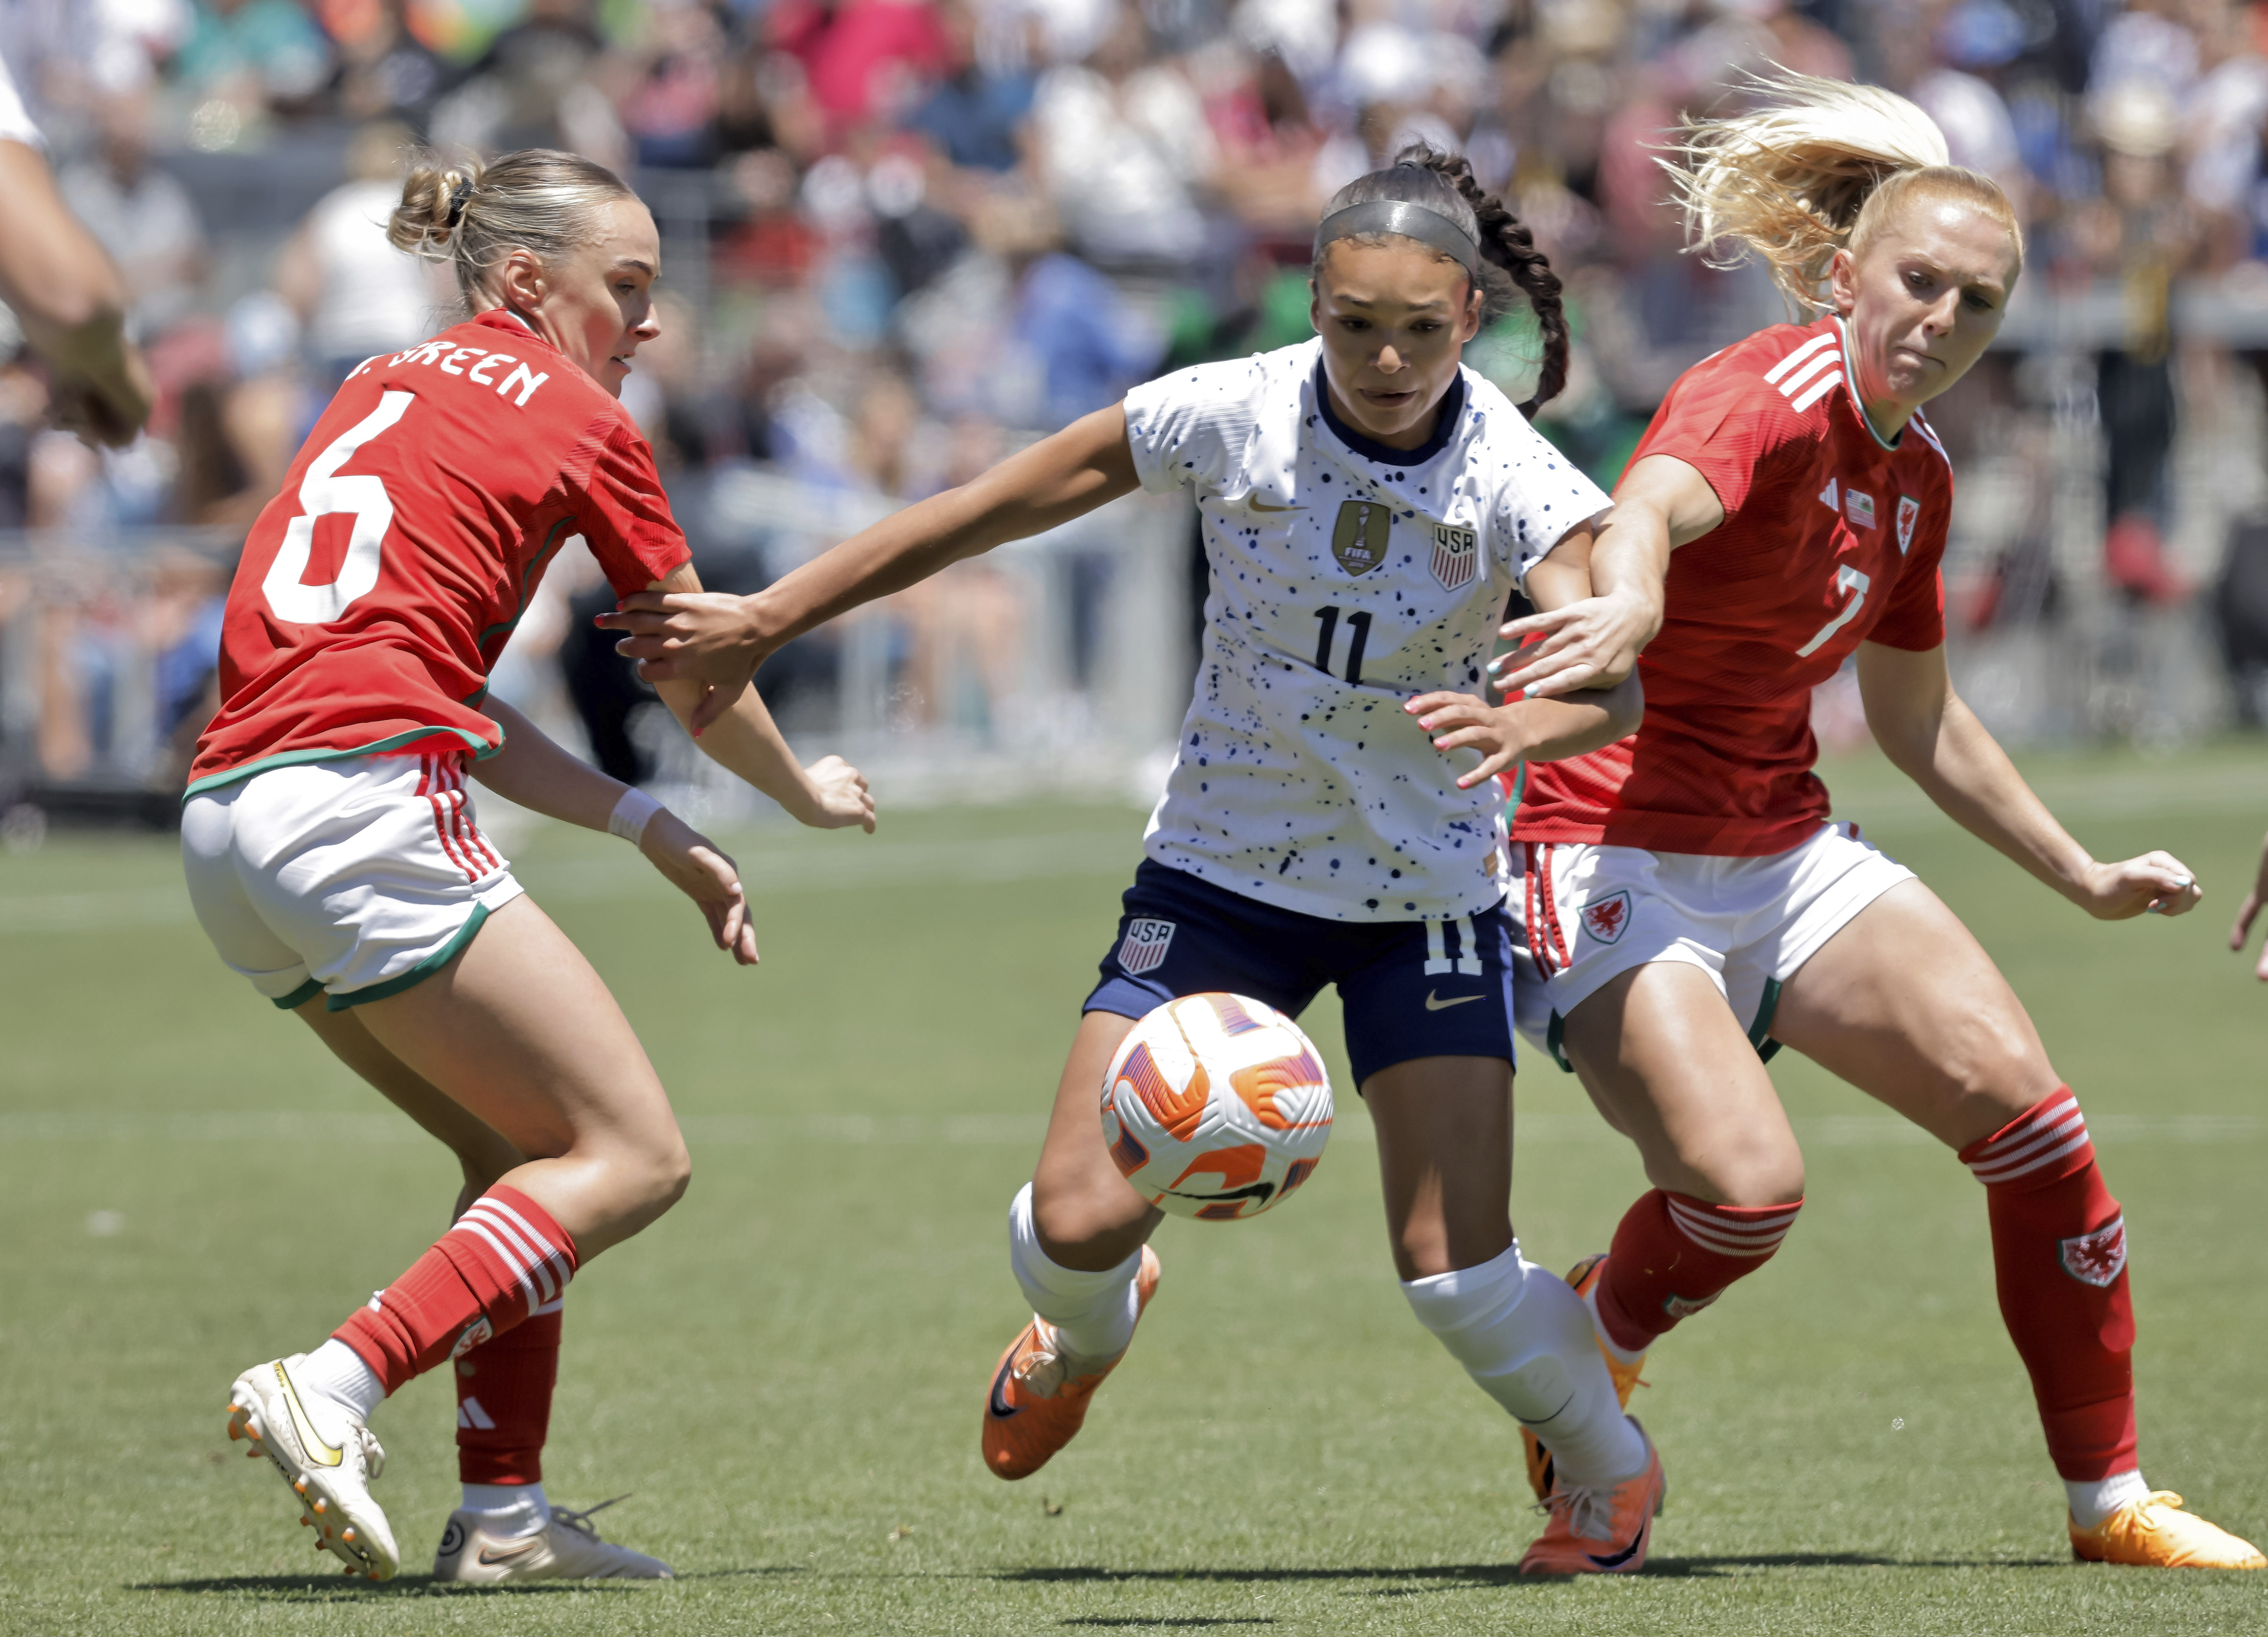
(329,1475)
(566,1548)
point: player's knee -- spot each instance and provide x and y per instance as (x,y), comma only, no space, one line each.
(661,1170)
(1750,1176)
(1080,1226)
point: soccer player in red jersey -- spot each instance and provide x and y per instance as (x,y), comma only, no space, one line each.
(1687,901)
(334,857)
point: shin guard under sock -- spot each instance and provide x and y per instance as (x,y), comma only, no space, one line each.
(1525,1339)
(2060,1261)
(503,1402)
(1673,1255)
(503,1259)
(1093,1314)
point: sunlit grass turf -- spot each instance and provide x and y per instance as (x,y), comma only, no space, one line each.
(787,1371)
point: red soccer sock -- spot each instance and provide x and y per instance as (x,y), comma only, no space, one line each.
(503,1260)
(2059,1259)
(1673,1255)
(503,1404)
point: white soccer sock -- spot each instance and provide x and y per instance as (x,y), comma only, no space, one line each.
(2094,1499)
(1093,1313)
(507,1510)
(1525,1339)
(336,1373)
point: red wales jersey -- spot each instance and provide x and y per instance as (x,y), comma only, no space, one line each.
(377,590)
(1830,538)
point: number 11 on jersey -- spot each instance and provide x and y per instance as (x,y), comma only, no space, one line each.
(1359,629)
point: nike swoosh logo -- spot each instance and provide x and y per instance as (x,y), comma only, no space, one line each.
(1262,505)
(493,1555)
(998,1403)
(1434,1003)
(310,1441)
(1615,1559)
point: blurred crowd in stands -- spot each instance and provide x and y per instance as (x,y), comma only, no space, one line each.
(902,234)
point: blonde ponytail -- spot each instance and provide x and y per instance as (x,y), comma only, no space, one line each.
(1820,167)
(472,214)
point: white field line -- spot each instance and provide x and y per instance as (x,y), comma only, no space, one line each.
(1849,1131)
(844,867)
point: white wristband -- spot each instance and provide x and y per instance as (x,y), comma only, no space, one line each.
(630,814)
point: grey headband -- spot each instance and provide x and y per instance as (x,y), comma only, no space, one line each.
(1408,221)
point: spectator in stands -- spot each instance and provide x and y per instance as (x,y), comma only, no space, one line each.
(142,215)
(354,293)
(533,88)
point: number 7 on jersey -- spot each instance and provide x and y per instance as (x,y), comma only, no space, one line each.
(1846,578)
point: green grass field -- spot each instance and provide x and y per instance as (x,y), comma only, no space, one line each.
(787,1372)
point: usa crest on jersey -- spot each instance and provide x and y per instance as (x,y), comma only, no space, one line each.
(1456,556)
(1144,948)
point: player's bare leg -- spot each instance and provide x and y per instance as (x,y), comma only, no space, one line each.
(1906,1006)
(506,1531)
(518,1032)
(1077,1243)
(1444,1133)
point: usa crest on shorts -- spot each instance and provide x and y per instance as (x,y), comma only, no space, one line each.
(1144,948)
(2095,1259)
(1456,556)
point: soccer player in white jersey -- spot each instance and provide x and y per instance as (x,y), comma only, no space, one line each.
(1368,506)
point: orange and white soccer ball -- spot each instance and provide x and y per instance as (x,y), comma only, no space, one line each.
(1216,1106)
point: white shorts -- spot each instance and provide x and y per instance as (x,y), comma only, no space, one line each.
(357,876)
(1584,914)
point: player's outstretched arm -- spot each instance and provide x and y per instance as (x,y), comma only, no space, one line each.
(1929,735)
(2249,911)
(1660,505)
(719,640)
(745,741)
(1540,729)
(533,770)
(71,303)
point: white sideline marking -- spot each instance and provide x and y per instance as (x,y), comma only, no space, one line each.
(1842,1131)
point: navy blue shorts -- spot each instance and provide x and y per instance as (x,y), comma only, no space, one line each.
(1408,989)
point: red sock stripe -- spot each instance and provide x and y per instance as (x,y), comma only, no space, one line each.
(2050,1135)
(1529,880)
(1733,1230)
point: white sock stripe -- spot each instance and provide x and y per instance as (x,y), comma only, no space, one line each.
(2027,1144)
(2038,1120)
(524,1255)
(1988,1174)
(1730,1247)
(546,1266)
(526,1226)
(1712,1234)
(527,1286)
(1755,1228)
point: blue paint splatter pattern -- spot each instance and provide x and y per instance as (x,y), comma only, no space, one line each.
(1298,781)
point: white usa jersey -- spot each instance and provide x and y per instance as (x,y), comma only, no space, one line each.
(1347,577)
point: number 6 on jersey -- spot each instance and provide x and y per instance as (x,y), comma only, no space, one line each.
(322,492)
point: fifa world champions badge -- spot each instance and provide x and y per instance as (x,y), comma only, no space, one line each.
(1359,540)
(1456,556)
(1144,948)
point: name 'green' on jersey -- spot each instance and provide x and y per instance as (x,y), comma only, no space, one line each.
(1346,578)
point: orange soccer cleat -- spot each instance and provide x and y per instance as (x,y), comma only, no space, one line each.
(2154,1532)
(1580,1278)
(1595,1531)
(1039,1395)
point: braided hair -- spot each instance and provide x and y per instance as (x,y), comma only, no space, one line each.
(1512,268)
